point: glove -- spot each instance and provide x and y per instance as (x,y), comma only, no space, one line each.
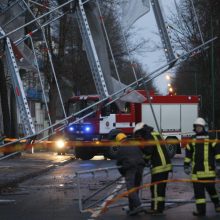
(147,160)
(187,170)
(147,164)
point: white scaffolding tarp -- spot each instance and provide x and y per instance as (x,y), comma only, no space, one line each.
(133,10)
(113,85)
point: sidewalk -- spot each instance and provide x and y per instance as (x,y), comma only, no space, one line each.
(17,169)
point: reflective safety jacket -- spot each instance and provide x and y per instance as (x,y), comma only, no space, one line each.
(157,155)
(202,156)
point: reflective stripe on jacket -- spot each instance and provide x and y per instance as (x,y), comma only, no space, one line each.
(202,156)
(158,155)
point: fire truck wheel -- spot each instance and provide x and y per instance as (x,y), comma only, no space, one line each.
(86,157)
(112,152)
(83,154)
(171,148)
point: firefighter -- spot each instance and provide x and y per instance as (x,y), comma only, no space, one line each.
(131,162)
(160,162)
(201,155)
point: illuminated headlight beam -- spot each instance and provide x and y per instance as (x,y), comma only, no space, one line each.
(60,143)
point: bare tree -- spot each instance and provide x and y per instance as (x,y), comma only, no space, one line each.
(5,101)
(200,73)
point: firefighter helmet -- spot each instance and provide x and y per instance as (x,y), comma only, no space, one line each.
(138,126)
(120,137)
(142,126)
(113,133)
(200,121)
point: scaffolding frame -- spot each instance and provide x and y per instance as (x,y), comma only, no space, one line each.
(28,6)
(17,9)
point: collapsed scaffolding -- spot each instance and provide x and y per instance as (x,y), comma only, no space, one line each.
(105,189)
(19,55)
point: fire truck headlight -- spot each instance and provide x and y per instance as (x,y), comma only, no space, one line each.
(60,143)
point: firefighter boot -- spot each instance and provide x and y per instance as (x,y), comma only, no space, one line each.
(154,212)
(199,213)
(201,210)
(217,207)
(136,210)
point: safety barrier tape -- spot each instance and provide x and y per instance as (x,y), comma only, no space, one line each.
(128,142)
(24,144)
(180,133)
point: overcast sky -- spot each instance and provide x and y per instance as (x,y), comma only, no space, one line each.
(146,27)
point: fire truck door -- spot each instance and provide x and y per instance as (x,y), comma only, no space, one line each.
(107,123)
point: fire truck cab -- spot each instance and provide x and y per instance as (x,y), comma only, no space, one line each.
(174,115)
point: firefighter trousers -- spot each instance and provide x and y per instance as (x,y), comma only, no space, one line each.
(158,191)
(133,178)
(199,191)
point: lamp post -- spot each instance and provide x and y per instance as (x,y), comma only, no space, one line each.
(168,77)
(213,77)
(170,88)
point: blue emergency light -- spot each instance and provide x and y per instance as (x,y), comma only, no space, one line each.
(71,128)
(87,129)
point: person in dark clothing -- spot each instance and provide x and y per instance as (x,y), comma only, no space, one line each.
(202,154)
(131,162)
(160,162)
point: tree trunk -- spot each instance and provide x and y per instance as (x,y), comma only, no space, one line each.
(4,101)
(14,120)
(53,101)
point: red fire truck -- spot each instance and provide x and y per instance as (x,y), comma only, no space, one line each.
(174,115)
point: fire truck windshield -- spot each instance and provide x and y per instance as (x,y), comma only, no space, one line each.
(75,106)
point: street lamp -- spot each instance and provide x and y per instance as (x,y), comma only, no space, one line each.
(168,77)
(170,88)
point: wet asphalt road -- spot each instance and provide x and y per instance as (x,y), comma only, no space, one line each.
(54,195)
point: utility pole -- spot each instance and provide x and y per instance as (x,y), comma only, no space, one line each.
(213,78)
(196,86)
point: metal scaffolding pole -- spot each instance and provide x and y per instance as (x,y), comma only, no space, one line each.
(50,58)
(159,71)
(41,81)
(36,19)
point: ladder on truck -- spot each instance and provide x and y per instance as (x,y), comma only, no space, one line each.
(21,99)
(91,52)
(164,35)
